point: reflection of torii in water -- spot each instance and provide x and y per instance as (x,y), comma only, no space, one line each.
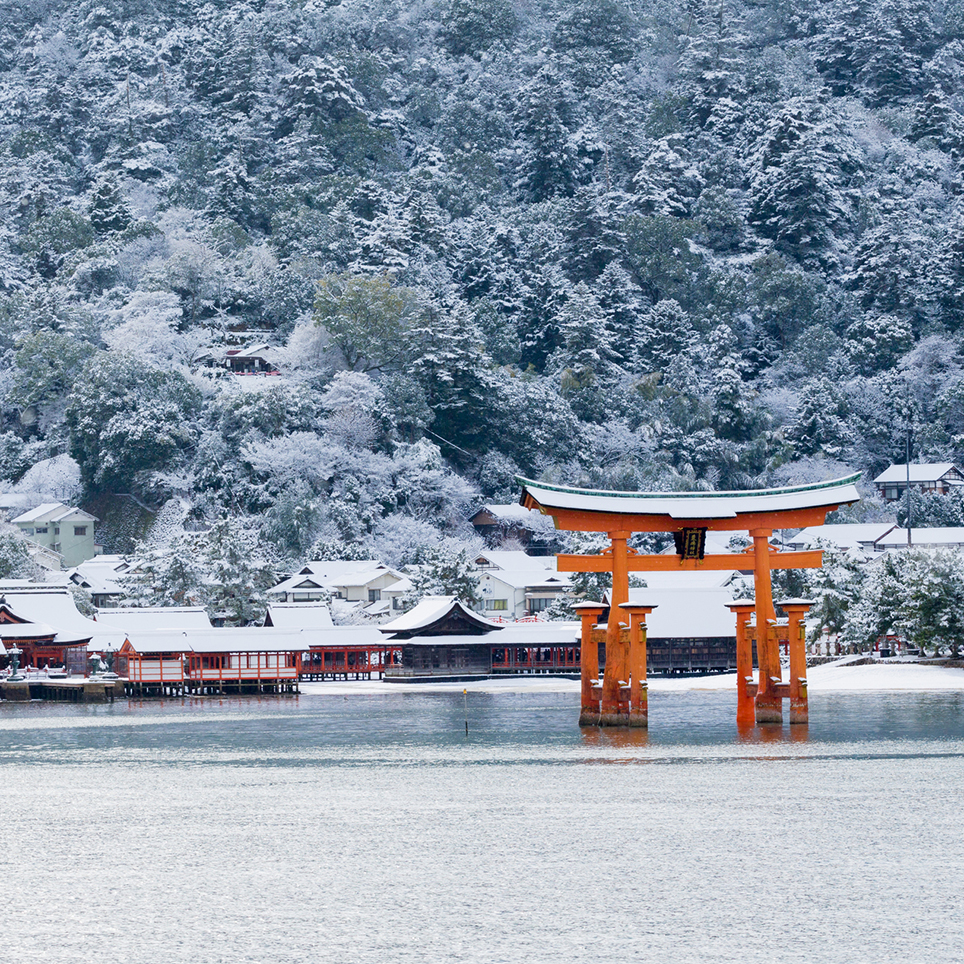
(689,515)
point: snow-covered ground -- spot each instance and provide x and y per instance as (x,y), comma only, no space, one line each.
(840,676)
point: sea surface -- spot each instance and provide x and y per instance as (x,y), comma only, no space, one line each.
(370,828)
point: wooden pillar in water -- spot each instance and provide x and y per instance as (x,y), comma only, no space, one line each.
(589,613)
(796,610)
(639,687)
(613,710)
(769,706)
(745,687)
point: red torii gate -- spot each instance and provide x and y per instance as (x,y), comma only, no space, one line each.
(621,698)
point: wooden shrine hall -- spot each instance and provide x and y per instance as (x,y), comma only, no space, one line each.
(620,697)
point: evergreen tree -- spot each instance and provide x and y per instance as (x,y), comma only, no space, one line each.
(108,210)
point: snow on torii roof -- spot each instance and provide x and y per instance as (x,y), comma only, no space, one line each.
(689,506)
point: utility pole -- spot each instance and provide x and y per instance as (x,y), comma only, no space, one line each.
(909,540)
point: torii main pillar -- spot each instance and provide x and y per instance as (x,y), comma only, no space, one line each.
(689,516)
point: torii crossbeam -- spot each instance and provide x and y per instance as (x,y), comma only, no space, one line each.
(689,515)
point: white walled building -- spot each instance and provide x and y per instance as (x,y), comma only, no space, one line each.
(514,584)
(61,529)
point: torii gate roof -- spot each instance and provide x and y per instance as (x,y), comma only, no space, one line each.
(599,511)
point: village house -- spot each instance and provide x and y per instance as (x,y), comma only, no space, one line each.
(366,585)
(101,577)
(67,531)
(863,535)
(514,585)
(938,477)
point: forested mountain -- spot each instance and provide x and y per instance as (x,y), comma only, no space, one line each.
(623,244)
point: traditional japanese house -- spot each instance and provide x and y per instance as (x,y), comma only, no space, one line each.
(514,585)
(344,652)
(57,634)
(690,629)
(441,638)
(247,658)
(153,667)
(934,477)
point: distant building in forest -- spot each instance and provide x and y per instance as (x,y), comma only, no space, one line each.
(259,359)
(938,477)
(499,524)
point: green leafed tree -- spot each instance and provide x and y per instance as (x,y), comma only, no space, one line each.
(125,418)
(366,317)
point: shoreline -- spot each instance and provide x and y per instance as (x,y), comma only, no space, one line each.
(848,674)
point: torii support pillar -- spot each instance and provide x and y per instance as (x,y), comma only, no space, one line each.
(614,709)
(638,687)
(769,704)
(796,610)
(589,613)
(745,687)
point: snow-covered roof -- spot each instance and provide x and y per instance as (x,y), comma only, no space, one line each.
(512,634)
(925,536)
(100,574)
(53,512)
(527,578)
(690,581)
(430,610)
(513,559)
(155,618)
(686,506)
(252,639)
(55,605)
(43,511)
(538,634)
(252,351)
(844,536)
(29,630)
(336,574)
(919,472)
(512,513)
(685,613)
(298,616)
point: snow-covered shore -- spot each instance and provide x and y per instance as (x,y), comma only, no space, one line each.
(840,676)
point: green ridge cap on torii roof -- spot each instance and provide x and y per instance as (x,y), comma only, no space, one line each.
(721,494)
(689,507)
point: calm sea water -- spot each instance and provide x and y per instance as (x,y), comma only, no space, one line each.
(370,829)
